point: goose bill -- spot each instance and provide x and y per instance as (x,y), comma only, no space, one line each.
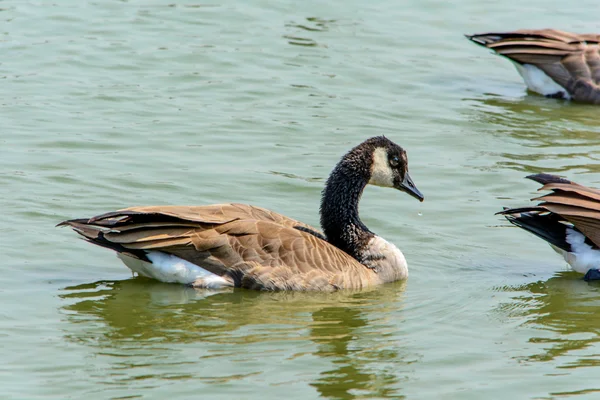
(409,187)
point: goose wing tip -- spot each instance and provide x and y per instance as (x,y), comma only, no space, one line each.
(71,222)
(502,212)
(545,178)
(483,39)
(474,38)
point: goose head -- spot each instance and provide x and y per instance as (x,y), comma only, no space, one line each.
(389,168)
(381,162)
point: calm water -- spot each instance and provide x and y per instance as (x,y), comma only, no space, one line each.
(118,103)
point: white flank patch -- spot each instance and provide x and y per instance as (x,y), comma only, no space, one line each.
(537,80)
(392,257)
(583,257)
(381,172)
(171,269)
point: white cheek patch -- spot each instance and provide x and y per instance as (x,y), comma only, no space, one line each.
(381,172)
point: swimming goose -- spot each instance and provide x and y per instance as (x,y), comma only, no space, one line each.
(553,63)
(568,219)
(238,245)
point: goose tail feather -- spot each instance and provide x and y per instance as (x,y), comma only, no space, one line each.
(546,226)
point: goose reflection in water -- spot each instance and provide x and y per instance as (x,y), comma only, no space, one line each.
(536,134)
(341,344)
(565,311)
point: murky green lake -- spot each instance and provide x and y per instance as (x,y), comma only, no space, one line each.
(116,103)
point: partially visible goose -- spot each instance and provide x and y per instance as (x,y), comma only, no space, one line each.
(240,245)
(568,219)
(553,63)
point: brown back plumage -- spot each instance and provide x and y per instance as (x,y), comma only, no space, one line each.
(571,60)
(569,201)
(250,246)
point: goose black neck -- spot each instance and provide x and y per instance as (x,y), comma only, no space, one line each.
(339,208)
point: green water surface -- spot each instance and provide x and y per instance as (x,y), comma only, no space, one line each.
(110,104)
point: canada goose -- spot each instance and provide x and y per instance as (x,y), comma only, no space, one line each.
(239,245)
(553,63)
(568,219)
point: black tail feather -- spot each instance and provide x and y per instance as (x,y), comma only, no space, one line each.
(102,242)
(95,236)
(508,211)
(548,227)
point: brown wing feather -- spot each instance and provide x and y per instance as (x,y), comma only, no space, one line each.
(253,246)
(571,60)
(221,213)
(572,202)
(570,199)
(574,188)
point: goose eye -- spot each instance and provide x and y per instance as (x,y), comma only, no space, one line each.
(394,161)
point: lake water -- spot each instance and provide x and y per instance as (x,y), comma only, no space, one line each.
(111,104)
